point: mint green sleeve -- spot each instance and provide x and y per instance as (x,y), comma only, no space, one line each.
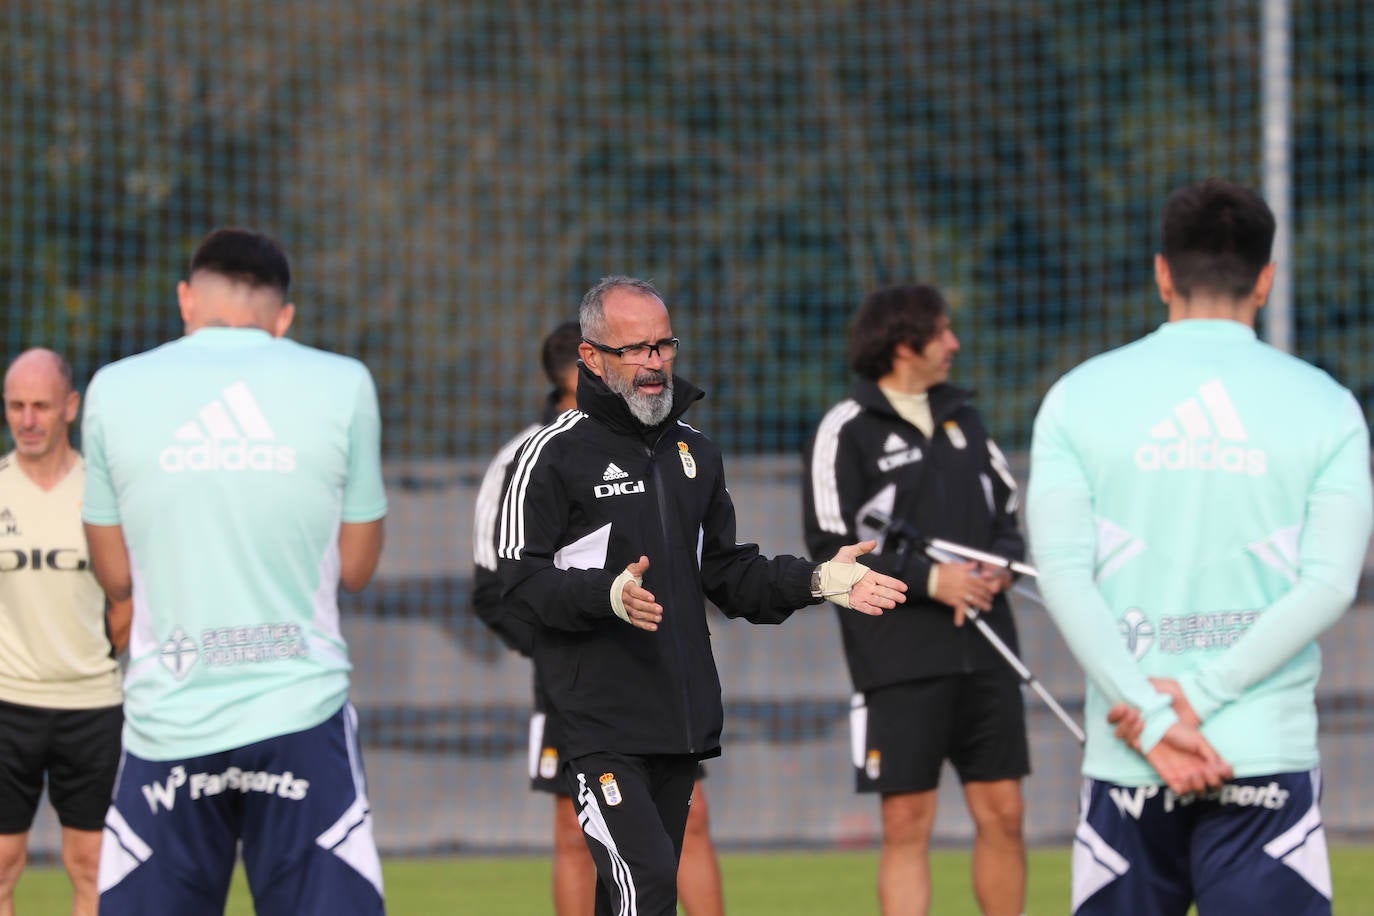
(1331,553)
(364,494)
(99,503)
(1063,538)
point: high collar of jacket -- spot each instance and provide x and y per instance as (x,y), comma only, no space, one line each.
(597,400)
(945,399)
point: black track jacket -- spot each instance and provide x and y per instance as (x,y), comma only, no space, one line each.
(955,486)
(592,492)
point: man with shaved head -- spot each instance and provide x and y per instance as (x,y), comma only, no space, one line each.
(60,699)
(235,484)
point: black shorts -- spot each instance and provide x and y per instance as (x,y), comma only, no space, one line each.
(901,734)
(545,734)
(77,748)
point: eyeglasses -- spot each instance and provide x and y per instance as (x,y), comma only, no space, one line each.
(638,354)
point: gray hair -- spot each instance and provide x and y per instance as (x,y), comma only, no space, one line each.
(591,314)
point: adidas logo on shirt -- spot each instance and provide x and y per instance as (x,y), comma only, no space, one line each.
(1203,433)
(613,473)
(897,453)
(228,434)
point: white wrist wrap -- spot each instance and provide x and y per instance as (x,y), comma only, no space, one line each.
(618,592)
(838,578)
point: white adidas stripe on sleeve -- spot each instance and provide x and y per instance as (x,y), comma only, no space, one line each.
(825,492)
(513,507)
(488,506)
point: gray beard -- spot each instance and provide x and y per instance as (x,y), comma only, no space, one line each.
(649,409)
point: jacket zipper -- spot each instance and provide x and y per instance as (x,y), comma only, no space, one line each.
(928,443)
(677,638)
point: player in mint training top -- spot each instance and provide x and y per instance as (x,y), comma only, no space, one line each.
(233,482)
(1199,507)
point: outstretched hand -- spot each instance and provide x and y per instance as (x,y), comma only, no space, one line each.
(851,584)
(637,602)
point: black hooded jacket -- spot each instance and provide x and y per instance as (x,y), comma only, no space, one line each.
(589,494)
(954,486)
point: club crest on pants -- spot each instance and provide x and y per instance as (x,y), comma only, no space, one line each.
(873,765)
(609,790)
(548,763)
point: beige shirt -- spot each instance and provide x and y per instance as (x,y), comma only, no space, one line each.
(913,408)
(53,649)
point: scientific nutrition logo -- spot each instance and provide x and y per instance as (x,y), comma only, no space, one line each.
(1137,631)
(228,434)
(1203,433)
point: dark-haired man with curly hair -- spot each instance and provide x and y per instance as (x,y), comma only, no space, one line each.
(906,445)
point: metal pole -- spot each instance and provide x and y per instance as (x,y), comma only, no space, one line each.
(981,556)
(1027,678)
(1276,93)
(944,551)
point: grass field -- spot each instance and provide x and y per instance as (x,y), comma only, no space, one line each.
(756,884)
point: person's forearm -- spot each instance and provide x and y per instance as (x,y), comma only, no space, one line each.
(110,560)
(119,621)
(562,599)
(1278,633)
(1331,555)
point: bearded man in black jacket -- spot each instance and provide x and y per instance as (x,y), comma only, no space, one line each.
(909,450)
(616,527)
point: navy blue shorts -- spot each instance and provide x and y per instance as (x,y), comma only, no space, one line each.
(1256,845)
(298,802)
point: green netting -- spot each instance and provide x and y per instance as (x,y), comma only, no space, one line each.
(449,177)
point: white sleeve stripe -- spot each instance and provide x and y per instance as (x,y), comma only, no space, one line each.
(513,508)
(488,504)
(825,490)
(1003,469)
(536,746)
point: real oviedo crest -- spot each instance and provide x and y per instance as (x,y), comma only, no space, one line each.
(689,464)
(610,790)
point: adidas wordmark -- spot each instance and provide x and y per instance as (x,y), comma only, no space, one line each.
(228,434)
(1203,433)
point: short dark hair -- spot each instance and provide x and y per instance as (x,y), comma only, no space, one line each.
(244,256)
(1218,237)
(896,314)
(560,350)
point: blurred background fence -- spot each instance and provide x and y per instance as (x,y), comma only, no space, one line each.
(448,177)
